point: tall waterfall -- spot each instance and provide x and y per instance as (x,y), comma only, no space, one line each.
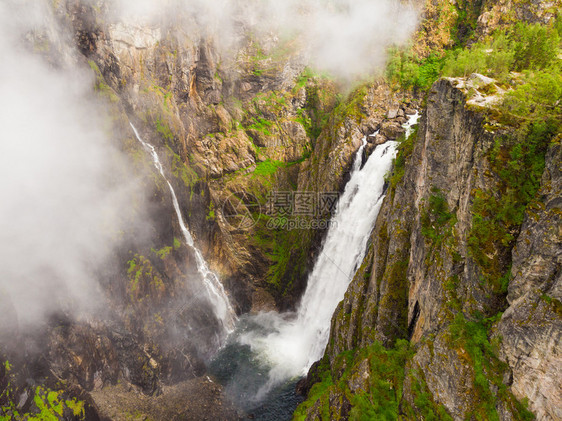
(295,342)
(215,290)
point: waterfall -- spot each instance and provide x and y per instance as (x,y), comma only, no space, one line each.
(409,125)
(215,290)
(291,343)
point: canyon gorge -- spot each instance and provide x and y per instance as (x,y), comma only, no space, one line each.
(321,210)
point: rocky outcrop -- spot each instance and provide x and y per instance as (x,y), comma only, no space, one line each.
(428,279)
(495,14)
(531,327)
(251,122)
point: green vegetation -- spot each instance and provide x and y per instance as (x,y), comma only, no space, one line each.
(183,171)
(287,262)
(481,355)
(425,406)
(211,213)
(404,70)
(351,107)
(320,101)
(436,220)
(522,48)
(260,124)
(405,149)
(379,399)
(538,97)
(163,128)
(162,253)
(463,28)
(101,86)
(518,162)
(48,405)
(268,167)
(256,61)
(144,280)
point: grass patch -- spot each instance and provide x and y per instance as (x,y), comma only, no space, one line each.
(381,398)
(405,149)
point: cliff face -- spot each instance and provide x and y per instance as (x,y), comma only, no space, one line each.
(480,339)
(250,121)
(234,127)
(478,301)
(531,327)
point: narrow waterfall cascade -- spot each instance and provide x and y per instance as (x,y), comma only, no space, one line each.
(214,288)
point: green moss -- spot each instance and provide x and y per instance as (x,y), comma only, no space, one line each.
(101,86)
(268,167)
(164,130)
(211,212)
(183,171)
(47,405)
(381,398)
(143,278)
(405,149)
(518,162)
(163,252)
(436,220)
(260,124)
(288,263)
(488,369)
(352,107)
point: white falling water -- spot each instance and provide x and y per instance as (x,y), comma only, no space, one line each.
(295,343)
(409,125)
(215,290)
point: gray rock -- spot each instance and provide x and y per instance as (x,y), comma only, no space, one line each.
(392,130)
(392,113)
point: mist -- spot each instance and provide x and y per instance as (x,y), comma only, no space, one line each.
(348,39)
(60,204)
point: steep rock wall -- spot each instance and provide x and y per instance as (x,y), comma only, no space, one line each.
(479,345)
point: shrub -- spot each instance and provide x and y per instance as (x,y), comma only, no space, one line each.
(535,46)
(407,71)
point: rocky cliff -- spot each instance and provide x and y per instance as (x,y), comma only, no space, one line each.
(473,292)
(455,311)
(230,128)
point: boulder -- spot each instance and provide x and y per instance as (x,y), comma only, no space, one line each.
(392,130)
